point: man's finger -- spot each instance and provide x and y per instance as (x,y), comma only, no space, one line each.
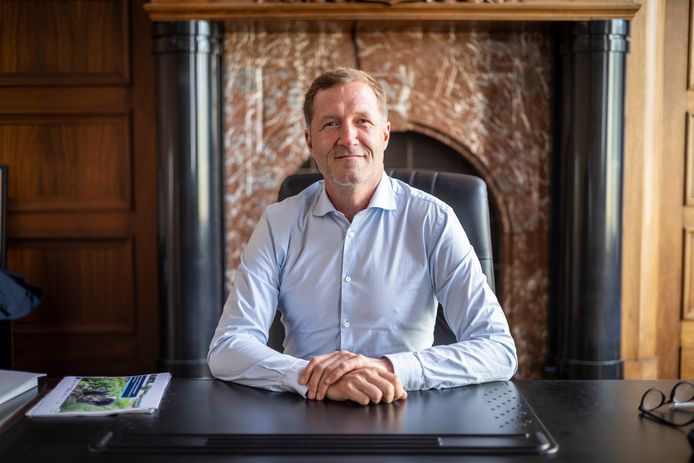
(347,390)
(348,363)
(370,383)
(367,385)
(317,382)
(312,363)
(355,394)
(399,391)
(386,387)
(373,392)
(315,371)
(336,369)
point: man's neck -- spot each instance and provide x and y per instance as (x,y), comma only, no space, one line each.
(352,199)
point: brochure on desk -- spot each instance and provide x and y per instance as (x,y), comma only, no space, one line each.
(103,395)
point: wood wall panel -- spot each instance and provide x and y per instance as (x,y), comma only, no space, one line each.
(680,152)
(79,138)
(64,42)
(687,370)
(687,340)
(68,162)
(690,73)
(88,354)
(689,161)
(88,286)
(688,290)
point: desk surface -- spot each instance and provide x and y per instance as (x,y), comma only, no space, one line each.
(592,421)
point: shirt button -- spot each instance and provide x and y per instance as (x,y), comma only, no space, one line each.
(346,323)
(350,234)
(348,278)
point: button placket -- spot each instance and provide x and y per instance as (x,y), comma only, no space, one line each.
(346,288)
(345,253)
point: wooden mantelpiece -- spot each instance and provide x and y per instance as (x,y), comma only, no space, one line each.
(235,10)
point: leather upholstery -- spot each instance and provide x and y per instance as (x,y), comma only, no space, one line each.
(467,196)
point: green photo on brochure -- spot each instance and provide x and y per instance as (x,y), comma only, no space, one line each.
(103,395)
(107,393)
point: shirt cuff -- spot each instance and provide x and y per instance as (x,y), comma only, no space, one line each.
(290,381)
(408,368)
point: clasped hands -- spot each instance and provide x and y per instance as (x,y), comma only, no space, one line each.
(344,375)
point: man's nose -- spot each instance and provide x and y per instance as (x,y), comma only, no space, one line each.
(348,135)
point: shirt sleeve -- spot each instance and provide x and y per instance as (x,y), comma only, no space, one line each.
(238,351)
(485,350)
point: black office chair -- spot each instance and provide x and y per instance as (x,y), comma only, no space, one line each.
(466,194)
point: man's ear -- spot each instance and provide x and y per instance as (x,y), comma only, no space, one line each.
(386,133)
(309,142)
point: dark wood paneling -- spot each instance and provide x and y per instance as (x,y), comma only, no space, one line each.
(78,135)
(63,42)
(88,286)
(84,354)
(67,162)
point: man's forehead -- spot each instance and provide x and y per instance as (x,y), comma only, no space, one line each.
(356,96)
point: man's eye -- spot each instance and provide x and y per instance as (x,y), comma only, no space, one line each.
(364,121)
(330,124)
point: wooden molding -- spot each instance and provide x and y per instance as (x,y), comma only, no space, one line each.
(687,334)
(234,10)
(641,369)
(690,70)
(687,301)
(687,352)
(689,161)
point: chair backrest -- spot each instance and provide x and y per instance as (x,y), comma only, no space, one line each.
(467,196)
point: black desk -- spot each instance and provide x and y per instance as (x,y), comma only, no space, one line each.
(592,421)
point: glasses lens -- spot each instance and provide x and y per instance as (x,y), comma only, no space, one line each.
(683,392)
(652,399)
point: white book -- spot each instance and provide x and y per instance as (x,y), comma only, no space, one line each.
(13,383)
(103,395)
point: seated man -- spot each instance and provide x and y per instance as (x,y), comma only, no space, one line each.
(356,264)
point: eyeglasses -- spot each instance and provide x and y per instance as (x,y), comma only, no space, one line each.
(655,398)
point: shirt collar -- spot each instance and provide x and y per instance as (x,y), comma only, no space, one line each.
(383,198)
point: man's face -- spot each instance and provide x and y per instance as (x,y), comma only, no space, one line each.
(348,135)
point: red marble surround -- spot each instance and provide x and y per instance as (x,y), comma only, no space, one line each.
(485,92)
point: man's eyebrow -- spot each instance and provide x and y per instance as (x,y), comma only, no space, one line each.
(359,114)
(327,117)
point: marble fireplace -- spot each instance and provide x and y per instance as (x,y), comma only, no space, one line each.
(534,107)
(484,91)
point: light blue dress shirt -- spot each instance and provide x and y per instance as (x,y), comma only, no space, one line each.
(369,287)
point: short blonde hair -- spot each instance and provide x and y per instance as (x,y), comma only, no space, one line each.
(341,76)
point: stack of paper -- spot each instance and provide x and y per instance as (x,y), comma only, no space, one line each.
(13,383)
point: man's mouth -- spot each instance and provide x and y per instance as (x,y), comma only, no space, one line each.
(348,155)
